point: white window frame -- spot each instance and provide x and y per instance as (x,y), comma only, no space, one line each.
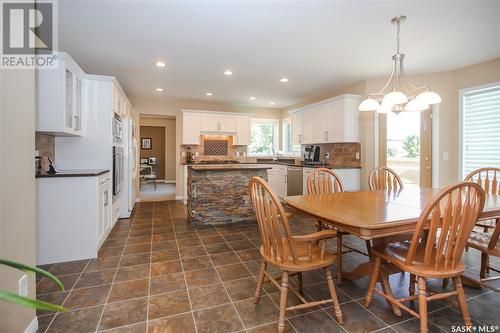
(276,144)
(284,122)
(461,94)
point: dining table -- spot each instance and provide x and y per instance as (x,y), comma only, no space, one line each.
(380,216)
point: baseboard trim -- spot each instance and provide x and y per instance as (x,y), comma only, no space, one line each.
(32,327)
(169,181)
(179,197)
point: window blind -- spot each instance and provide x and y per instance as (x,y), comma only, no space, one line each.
(481,129)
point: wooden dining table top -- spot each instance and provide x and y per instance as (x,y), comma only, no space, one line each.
(375,214)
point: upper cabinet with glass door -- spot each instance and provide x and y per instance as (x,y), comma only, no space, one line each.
(60,98)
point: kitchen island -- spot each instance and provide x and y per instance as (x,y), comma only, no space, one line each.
(217,194)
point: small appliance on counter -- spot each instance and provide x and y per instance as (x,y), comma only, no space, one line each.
(52,167)
(311,156)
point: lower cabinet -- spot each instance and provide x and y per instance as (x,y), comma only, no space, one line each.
(277,179)
(350,178)
(73,216)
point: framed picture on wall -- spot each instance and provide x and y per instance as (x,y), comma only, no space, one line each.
(146,143)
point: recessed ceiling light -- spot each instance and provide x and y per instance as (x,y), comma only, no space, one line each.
(160,64)
(283,80)
(228,73)
(252,98)
(209,94)
(272,103)
(159,89)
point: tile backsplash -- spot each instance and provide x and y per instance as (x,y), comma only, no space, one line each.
(213,147)
(341,154)
(46,146)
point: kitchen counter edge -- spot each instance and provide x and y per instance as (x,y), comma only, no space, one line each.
(73,173)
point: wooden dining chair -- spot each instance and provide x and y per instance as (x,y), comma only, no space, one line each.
(489,245)
(321,181)
(489,180)
(383,178)
(435,249)
(291,254)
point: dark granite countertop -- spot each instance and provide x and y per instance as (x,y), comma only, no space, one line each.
(227,167)
(73,173)
(278,163)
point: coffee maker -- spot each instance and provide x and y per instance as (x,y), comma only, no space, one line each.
(311,155)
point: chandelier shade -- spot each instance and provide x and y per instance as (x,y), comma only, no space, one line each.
(429,97)
(369,104)
(394,97)
(416,105)
(399,94)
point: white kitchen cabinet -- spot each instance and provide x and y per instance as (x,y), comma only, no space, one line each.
(196,123)
(350,178)
(218,123)
(191,127)
(60,98)
(277,179)
(72,227)
(209,122)
(243,132)
(329,121)
(105,197)
(296,127)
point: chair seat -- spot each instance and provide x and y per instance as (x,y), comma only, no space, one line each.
(480,240)
(304,264)
(396,253)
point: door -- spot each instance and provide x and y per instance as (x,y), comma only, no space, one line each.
(243,135)
(78,105)
(408,149)
(296,119)
(426,148)
(227,124)
(210,123)
(69,98)
(191,129)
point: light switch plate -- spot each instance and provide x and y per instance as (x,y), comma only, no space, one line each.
(22,285)
(357,155)
(446,156)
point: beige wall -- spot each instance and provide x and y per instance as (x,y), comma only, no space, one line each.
(169,125)
(17,189)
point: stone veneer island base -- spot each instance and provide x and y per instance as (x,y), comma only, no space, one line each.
(217,195)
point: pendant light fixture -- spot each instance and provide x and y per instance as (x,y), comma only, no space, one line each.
(399,94)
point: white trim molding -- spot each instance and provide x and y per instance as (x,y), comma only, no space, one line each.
(32,327)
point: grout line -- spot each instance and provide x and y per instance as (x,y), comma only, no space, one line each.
(150,268)
(183,273)
(114,277)
(66,298)
(222,282)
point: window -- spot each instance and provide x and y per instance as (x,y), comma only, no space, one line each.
(288,147)
(264,137)
(480,121)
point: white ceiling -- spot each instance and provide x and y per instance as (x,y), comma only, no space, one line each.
(319,46)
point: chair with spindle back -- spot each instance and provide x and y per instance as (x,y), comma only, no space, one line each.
(383,178)
(435,249)
(291,254)
(321,181)
(487,243)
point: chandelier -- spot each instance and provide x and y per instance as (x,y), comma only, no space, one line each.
(399,94)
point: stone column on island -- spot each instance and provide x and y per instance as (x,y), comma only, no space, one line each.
(218,195)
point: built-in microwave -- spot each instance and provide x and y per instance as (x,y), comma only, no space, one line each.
(117,129)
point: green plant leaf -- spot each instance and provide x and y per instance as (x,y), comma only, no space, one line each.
(30,269)
(30,303)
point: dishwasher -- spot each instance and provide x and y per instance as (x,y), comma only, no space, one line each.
(294,181)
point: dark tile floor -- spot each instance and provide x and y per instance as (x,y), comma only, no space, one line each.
(156,273)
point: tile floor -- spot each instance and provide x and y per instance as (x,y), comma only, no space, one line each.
(156,273)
